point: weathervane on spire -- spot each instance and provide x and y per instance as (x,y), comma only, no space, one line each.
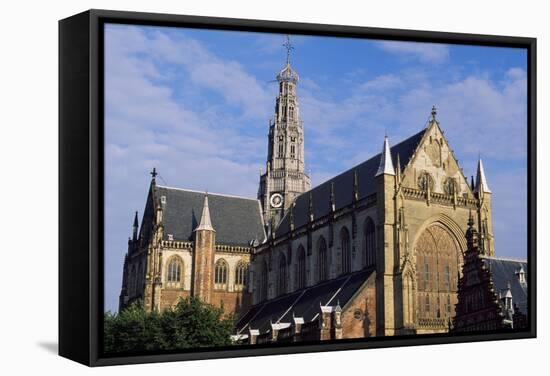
(288,47)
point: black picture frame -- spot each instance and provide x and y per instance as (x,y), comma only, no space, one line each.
(81,182)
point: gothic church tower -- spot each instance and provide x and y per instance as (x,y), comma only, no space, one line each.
(284,178)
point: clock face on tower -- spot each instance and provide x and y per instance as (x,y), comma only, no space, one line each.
(276,200)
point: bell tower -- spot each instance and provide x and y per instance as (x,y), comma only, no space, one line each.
(284,178)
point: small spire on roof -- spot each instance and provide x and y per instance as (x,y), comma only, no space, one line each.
(386,164)
(332,197)
(135,227)
(153,174)
(310,206)
(508,293)
(398,168)
(355,186)
(205,223)
(434,112)
(481,180)
(291,217)
(136,219)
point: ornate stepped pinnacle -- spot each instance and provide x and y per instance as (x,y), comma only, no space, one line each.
(206,223)
(471,233)
(481,180)
(386,164)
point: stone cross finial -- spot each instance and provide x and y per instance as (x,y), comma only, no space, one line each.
(434,112)
(154,173)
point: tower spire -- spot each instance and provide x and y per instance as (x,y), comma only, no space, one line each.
(481,180)
(286,177)
(205,223)
(386,164)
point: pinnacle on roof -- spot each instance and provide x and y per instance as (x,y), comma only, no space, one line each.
(386,164)
(205,223)
(481,180)
(434,113)
(136,224)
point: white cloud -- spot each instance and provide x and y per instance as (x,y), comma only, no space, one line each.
(424,52)
(383,82)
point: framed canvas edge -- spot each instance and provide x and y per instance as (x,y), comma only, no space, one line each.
(95,163)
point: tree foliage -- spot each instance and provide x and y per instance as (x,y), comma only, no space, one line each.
(189,324)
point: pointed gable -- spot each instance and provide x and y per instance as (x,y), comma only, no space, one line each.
(434,156)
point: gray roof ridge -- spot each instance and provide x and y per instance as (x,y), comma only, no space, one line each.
(209,193)
(507,258)
(365,161)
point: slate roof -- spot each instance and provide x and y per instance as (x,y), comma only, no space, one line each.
(343,185)
(237,220)
(304,303)
(504,271)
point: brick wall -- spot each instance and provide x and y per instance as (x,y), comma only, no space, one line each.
(359,316)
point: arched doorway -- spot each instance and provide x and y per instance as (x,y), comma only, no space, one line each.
(438,264)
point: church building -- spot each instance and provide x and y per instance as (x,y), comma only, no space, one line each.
(377,250)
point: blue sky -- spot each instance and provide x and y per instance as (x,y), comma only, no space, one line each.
(195,104)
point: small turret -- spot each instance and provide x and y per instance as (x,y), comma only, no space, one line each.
(205,223)
(481,181)
(386,164)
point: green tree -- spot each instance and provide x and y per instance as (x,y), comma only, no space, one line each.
(190,324)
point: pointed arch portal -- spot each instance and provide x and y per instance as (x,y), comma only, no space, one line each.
(438,263)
